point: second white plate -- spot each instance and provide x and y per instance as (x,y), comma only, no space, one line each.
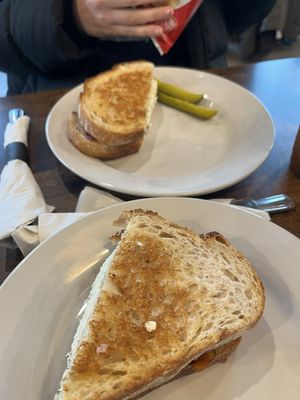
(40,301)
(181,155)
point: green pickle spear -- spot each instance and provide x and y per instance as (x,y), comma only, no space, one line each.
(197,111)
(178,93)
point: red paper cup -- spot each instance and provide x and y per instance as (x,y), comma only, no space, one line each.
(173,27)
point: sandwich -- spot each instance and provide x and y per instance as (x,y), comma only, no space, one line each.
(91,147)
(167,302)
(114,111)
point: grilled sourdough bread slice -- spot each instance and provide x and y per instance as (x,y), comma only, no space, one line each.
(89,146)
(165,298)
(115,106)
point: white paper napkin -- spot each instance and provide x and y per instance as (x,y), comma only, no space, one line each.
(21,199)
(17,132)
(90,200)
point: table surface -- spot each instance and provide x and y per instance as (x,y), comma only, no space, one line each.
(276,83)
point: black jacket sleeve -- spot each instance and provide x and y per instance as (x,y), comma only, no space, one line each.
(39,36)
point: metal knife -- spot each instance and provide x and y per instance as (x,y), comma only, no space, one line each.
(271,204)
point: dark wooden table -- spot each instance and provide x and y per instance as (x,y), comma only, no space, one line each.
(276,83)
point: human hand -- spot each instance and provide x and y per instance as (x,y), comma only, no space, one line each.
(106,18)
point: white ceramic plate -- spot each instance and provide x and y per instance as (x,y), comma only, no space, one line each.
(181,155)
(40,300)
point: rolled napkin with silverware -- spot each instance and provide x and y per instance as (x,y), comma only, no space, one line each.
(21,199)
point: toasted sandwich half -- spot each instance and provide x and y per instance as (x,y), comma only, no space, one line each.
(115,106)
(165,303)
(91,147)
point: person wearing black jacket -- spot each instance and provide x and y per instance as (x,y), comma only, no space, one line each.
(47,44)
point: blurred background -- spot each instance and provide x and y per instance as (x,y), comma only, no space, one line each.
(278,36)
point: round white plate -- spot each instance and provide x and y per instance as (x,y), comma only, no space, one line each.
(40,300)
(181,155)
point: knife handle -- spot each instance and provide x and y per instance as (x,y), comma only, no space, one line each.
(271,204)
(275,204)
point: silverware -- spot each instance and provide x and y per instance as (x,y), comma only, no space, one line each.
(16,150)
(14,114)
(271,204)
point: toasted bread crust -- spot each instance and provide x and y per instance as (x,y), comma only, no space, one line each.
(105,136)
(210,357)
(89,146)
(213,238)
(197,292)
(115,105)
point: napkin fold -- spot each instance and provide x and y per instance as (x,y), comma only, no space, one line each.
(90,200)
(21,199)
(17,132)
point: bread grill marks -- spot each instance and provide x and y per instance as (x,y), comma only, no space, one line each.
(114,111)
(103,135)
(200,291)
(114,104)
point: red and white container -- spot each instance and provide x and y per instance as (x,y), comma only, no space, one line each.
(173,27)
